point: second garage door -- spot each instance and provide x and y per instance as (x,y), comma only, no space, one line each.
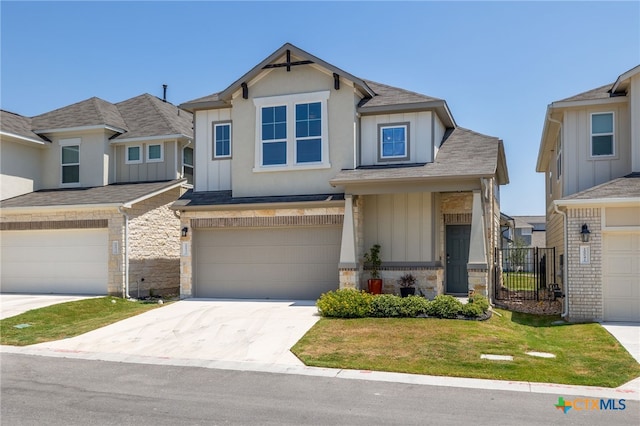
(620,283)
(275,263)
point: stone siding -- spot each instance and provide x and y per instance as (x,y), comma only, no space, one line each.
(429,279)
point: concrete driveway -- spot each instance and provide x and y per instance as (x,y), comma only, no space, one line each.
(628,334)
(208,329)
(12,304)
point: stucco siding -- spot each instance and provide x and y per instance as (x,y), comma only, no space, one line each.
(634,111)
(19,168)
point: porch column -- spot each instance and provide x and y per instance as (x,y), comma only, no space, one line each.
(348,266)
(477,267)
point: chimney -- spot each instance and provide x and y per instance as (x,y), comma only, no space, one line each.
(164,93)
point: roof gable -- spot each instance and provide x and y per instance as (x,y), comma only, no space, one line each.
(148,116)
(90,112)
(18,125)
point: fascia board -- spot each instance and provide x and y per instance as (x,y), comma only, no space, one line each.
(257,206)
(59,208)
(196,106)
(149,138)
(586,103)
(439,106)
(599,202)
(130,203)
(624,76)
(22,138)
(80,129)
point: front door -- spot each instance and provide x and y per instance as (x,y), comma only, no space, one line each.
(458,237)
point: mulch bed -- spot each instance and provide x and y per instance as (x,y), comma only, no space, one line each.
(542,307)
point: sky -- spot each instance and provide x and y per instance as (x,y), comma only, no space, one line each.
(497,64)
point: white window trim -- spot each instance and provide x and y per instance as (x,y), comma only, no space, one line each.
(613,135)
(155,160)
(559,157)
(126,155)
(290,102)
(218,124)
(69,142)
(405,156)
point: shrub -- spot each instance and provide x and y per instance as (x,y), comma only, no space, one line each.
(386,306)
(345,303)
(413,306)
(480,300)
(472,310)
(444,306)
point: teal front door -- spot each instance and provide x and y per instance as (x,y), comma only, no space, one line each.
(458,237)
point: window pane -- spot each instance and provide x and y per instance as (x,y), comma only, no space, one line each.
(70,174)
(274,153)
(315,127)
(387,150)
(133,153)
(602,145)
(155,152)
(398,149)
(309,150)
(314,111)
(267,132)
(302,129)
(223,140)
(302,112)
(188,156)
(602,123)
(394,142)
(267,115)
(71,154)
(280,130)
(398,134)
(280,114)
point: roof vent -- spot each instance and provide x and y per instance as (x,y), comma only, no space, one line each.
(164,93)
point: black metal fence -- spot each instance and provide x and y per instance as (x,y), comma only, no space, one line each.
(524,273)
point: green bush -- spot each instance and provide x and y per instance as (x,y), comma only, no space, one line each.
(444,306)
(413,306)
(345,303)
(472,310)
(481,301)
(386,306)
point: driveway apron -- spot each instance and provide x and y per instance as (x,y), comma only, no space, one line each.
(209,329)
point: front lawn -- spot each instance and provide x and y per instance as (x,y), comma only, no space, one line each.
(586,354)
(67,320)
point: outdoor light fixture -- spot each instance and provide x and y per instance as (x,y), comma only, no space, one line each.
(185,231)
(584,234)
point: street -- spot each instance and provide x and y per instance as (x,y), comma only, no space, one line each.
(57,391)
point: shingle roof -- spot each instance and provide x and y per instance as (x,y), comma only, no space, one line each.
(389,95)
(18,125)
(147,115)
(110,194)
(212,198)
(593,94)
(624,187)
(90,112)
(462,153)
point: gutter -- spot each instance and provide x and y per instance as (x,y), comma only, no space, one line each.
(565,273)
(125,285)
(130,203)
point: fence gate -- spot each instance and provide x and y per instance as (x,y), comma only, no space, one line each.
(524,273)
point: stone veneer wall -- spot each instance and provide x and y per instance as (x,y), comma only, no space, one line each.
(429,279)
(584,288)
(237,218)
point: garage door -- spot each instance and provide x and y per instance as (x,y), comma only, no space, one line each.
(276,263)
(55,261)
(621,269)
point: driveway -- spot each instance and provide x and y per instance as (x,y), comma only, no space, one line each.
(208,329)
(12,304)
(628,334)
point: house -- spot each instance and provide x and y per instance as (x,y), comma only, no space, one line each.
(86,191)
(301,167)
(524,232)
(590,155)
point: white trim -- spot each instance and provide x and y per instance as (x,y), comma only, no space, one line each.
(70,142)
(129,204)
(67,143)
(599,202)
(406,144)
(149,138)
(301,166)
(154,160)
(612,134)
(590,102)
(58,208)
(81,128)
(126,154)
(220,124)
(23,138)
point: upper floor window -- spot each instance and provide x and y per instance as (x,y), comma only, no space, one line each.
(187,164)
(602,134)
(70,161)
(292,132)
(559,157)
(393,141)
(155,153)
(134,154)
(221,140)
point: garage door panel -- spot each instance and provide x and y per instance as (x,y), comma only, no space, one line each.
(285,263)
(621,272)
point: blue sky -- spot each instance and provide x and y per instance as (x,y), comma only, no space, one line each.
(497,64)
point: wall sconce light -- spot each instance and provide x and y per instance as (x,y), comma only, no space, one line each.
(584,234)
(185,231)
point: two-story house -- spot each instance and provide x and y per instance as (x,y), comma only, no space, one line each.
(590,154)
(301,167)
(85,196)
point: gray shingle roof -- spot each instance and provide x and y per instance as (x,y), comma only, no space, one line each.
(624,187)
(147,115)
(389,95)
(17,124)
(593,94)
(91,112)
(462,153)
(212,198)
(110,194)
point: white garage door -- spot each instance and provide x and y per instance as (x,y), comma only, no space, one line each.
(275,263)
(621,276)
(55,261)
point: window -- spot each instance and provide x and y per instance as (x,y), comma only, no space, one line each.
(134,155)
(559,157)
(292,132)
(393,141)
(525,231)
(550,183)
(70,161)
(221,140)
(602,134)
(187,164)
(155,153)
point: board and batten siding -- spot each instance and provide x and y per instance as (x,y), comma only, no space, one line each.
(438,134)
(420,136)
(402,224)
(588,171)
(212,175)
(146,171)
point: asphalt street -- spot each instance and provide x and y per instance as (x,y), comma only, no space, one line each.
(58,391)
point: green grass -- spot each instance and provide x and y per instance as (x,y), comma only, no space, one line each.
(67,320)
(585,353)
(519,280)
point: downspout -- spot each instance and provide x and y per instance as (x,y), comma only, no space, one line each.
(125,286)
(565,267)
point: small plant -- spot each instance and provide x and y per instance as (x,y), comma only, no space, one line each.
(480,301)
(472,310)
(413,306)
(444,306)
(407,281)
(386,306)
(372,258)
(345,303)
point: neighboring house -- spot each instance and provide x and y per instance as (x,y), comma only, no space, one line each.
(85,196)
(301,167)
(525,232)
(590,154)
